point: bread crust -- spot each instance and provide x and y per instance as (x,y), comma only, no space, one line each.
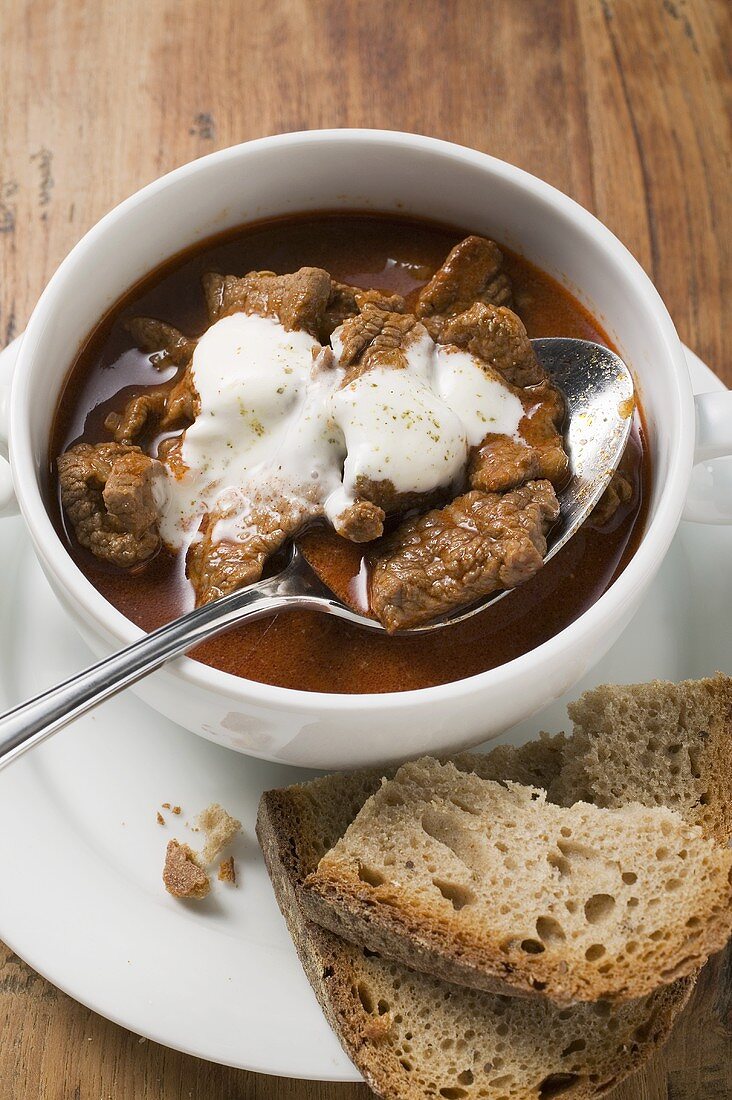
(292,832)
(430,899)
(681,749)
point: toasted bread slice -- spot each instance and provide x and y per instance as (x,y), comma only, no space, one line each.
(493,887)
(659,744)
(414,1036)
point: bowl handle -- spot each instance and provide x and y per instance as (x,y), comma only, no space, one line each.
(709,499)
(8,502)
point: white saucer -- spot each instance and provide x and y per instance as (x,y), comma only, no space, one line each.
(82,853)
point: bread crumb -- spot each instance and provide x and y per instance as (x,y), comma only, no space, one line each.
(176,809)
(219,827)
(182,874)
(166,805)
(227,871)
(160,819)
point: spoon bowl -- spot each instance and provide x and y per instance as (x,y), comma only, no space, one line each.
(598,393)
(599,398)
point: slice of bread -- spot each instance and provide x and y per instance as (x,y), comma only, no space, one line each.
(415,1037)
(491,886)
(658,744)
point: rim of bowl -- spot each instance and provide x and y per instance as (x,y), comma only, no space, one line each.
(654,543)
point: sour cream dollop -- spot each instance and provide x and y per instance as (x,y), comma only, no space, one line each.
(263,422)
(276,420)
(414,425)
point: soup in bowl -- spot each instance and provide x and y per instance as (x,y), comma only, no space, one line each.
(337,402)
(379,214)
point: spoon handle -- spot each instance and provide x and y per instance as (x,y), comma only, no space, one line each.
(31,722)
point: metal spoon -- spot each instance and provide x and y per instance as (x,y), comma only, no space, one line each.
(598,392)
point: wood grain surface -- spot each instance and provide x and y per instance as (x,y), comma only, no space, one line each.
(623,104)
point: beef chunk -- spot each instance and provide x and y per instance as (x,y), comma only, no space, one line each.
(446,559)
(217,568)
(341,304)
(375,337)
(140,413)
(162,408)
(128,494)
(183,403)
(298,300)
(473,272)
(497,336)
(362,521)
(542,430)
(167,344)
(502,463)
(346,301)
(170,453)
(392,303)
(618,492)
(392,500)
(107,491)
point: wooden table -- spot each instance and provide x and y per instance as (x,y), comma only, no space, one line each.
(620,103)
